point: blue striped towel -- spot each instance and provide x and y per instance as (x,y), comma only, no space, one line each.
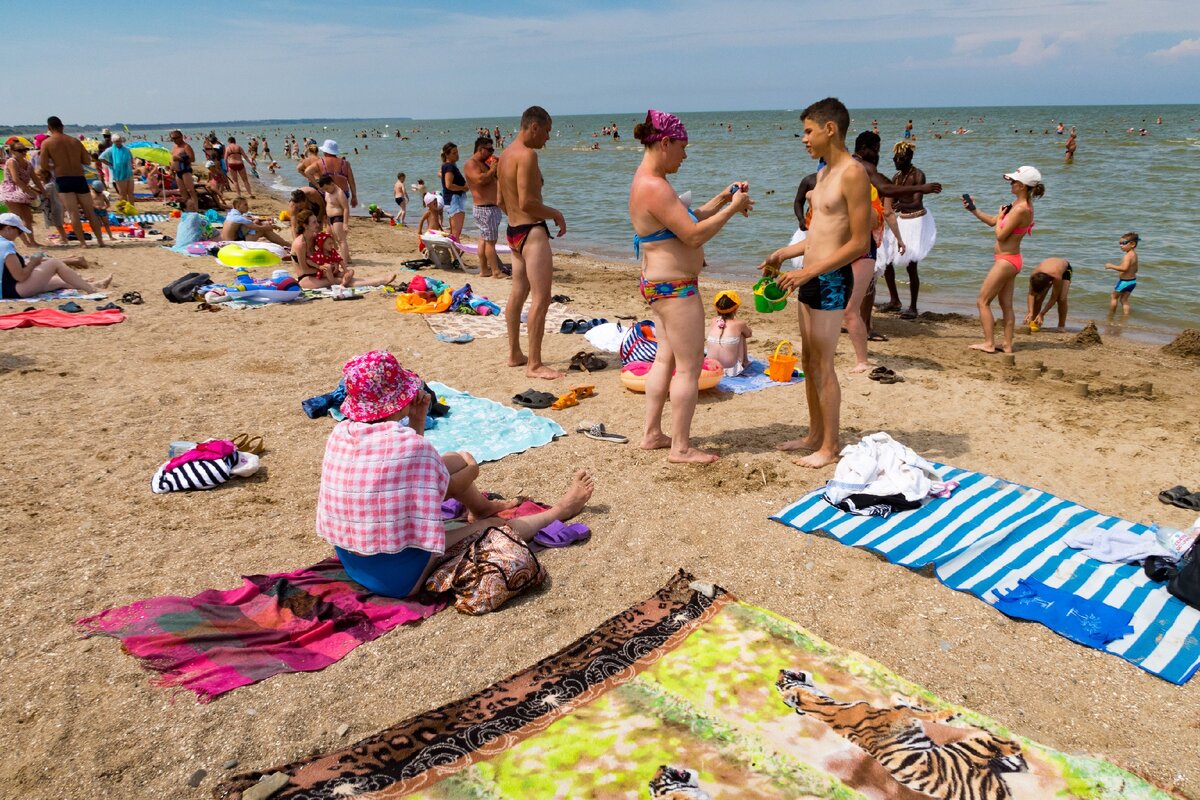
(141,218)
(991,533)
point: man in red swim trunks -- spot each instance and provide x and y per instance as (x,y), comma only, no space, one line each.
(529,237)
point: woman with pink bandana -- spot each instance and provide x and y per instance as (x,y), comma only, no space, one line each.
(674,235)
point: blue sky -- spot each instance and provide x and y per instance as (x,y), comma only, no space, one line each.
(255,60)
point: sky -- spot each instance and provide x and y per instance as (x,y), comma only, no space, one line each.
(368,59)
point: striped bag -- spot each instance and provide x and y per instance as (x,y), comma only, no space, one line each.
(639,343)
(207,466)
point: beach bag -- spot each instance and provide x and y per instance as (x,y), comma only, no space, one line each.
(1186,583)
(780,365)
(639,343)
(183,290)
(496,567)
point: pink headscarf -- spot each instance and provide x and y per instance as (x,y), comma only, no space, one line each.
(666,126)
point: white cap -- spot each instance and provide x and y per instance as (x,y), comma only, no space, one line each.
(330,147)
(15,221)
(1026,175)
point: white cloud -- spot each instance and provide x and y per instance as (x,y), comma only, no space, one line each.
(1188,48)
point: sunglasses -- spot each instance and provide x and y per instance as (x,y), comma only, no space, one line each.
(20,149)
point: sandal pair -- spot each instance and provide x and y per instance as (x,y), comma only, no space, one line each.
(132,298)
(246,443)
(1180,497)
(587,362)
(885,375)
(531,398)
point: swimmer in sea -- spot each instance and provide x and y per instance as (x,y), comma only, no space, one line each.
(1127,272)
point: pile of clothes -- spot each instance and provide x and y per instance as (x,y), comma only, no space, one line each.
(878,476)
(425,295)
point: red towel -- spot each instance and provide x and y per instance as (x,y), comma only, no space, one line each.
(53,318)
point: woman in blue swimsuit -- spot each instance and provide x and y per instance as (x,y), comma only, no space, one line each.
(672,257)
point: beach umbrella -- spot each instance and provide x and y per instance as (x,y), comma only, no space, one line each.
(145,143)
(21,140)
(155,155)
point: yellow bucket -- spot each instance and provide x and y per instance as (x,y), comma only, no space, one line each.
(780,365)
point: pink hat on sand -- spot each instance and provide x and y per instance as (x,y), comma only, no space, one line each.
(377,386)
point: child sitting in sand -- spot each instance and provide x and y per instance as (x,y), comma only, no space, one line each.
(1126,273)
(727,336)
(379,215)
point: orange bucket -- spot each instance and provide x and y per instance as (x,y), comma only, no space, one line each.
(780,365)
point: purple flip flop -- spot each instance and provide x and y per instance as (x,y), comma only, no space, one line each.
(559,534)
(453,509)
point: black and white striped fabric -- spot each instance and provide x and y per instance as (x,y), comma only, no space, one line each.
(199,474)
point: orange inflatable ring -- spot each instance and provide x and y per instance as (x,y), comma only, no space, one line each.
(633,375)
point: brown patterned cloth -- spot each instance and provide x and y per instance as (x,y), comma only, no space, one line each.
(494,327)
(422,750)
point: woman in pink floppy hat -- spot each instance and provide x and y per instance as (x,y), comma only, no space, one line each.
(383,483)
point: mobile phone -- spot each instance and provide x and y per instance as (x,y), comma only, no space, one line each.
(734,189)
(967,199)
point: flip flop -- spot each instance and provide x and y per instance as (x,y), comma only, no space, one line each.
(348,297)
(531,398)
(893,378)
(582,326)
(246,443)
(908,314)
(109,307)
(566,401)
(568,326)
(880,372)
(598,322)
(560,534)
(560,298)
(132,298)
(458,338)
(71,307)
(207,306)
(877,337)
(597,431)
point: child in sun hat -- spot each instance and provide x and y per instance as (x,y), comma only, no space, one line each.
(383,483)
(727,336)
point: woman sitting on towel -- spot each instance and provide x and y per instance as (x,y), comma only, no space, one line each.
(671,236)
(383,484)
(319,265)
(21,277)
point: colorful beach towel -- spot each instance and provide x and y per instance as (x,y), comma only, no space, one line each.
(53,318)
(990,534)
(57,294)
(735,701)
(484,428)
(753,378)
(493,327)
(219,640)
(141,218)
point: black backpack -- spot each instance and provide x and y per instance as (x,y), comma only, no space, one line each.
(1186,583)
(183,290)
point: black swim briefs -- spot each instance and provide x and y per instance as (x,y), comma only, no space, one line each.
(72,184)
(828,292)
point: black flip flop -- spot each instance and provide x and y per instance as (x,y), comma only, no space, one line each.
(71,307)
(560,298)
(879,373)
(109,307)
(531,398)
(877,337)
(133,298)
(907,314)
(1180,497)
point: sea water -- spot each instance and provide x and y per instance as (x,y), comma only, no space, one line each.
(1121,181)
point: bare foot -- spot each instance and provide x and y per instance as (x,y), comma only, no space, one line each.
(576,496)
(808,444)
(655,441)
(983,347)
(859,369)
(483,274)
(693,455)
(103,283)
(1006,350)
(493,509)
(889,307)
(821,458)
(543,372)
(518,360)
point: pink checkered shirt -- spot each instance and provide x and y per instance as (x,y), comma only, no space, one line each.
(382,487)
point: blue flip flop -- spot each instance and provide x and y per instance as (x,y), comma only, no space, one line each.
(568,326)
(598,322)
(458,338)
(582,326)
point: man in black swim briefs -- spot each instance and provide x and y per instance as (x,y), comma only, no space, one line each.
(66,157)
(839,233)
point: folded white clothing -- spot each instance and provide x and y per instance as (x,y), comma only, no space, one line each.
(1117,545)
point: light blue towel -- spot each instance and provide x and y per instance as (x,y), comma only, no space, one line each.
(753,379)
(482,427)
(990,534)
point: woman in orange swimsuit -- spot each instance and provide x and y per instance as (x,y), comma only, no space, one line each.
(1012,223)
(670,237)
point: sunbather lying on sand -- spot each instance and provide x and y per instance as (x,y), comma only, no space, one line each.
(383,484)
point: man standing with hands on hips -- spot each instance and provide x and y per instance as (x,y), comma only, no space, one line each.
(528,235)
(480,172)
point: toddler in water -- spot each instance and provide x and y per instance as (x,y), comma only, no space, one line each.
(1126,273)
(727,336)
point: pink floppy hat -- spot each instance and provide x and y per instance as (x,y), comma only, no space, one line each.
(377,386)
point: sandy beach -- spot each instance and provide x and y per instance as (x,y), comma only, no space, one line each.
(92,411)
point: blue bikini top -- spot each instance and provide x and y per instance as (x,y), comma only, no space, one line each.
(660,235)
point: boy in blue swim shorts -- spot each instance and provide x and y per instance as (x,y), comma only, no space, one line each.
(839,233)
(1126,274)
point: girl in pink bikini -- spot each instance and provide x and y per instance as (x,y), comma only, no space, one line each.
(1012,223)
